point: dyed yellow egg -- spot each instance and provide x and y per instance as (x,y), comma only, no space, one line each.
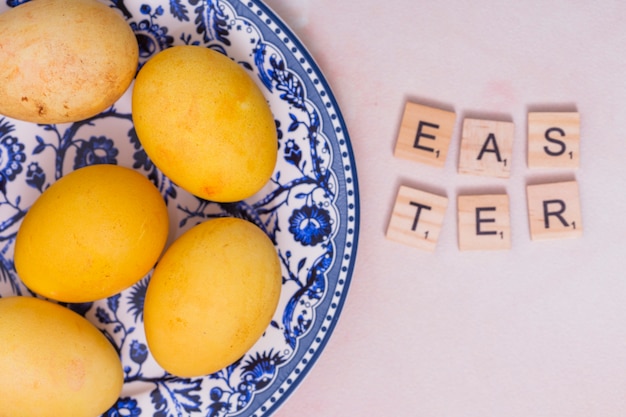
(211,296)
(204,122)
(64,60)
(54,362)
(93,233)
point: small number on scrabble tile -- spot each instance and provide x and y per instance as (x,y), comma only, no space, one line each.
(417,218)
(425,134)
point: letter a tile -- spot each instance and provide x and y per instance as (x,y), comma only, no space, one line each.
(554,210)
(425,134)
(486,148)
(484,222)
(417,218)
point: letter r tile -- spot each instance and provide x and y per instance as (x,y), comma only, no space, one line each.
(425,134)
(417,218)
(554,210)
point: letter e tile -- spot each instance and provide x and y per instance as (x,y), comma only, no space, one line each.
(554,210)
(417,218)
(484,222)
(425,134)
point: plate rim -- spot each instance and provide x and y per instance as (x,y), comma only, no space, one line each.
(330,95)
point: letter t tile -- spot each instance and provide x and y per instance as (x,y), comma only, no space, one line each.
(417,218)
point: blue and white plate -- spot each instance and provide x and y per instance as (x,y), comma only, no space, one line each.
(310,207)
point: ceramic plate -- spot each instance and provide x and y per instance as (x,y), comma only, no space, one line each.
(310,207)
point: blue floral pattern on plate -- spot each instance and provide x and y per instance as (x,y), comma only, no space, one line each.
(309,208)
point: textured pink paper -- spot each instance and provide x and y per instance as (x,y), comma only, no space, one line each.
(535,331)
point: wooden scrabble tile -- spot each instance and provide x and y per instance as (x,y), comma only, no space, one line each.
(484,222)
(417,218)
(554,140)
(554,210)
(425,134)
(486,148)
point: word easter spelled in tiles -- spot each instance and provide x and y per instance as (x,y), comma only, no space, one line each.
(486,146)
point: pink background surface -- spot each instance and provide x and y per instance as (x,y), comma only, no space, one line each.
(538,330)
